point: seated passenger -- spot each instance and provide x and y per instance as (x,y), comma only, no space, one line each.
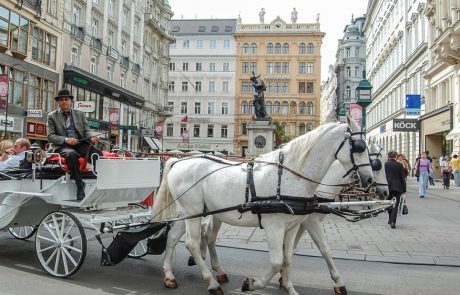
(17,154)
(69,134)
(5,145)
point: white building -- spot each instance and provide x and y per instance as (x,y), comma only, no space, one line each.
(328,101)
(396,52)
(202,86)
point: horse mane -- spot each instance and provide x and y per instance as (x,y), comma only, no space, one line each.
(300,147)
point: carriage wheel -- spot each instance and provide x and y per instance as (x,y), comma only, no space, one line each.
(60,244)
(22,232)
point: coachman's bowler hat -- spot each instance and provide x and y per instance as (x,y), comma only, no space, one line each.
(64,93)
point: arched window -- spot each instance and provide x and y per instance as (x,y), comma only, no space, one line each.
(293,108)
(244,107)
(309,126)
(310,48)
(244,128)
(251,107)
(269,107)
(285,48)
(277,48)
(277,107)
(284,108)
(253,48)
(245,48)
(302,128)
(348,93)
(270,48)
(302,108)
(302,48)
(309,108)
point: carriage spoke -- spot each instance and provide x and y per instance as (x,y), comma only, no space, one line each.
(56,263)
(63,225)
(56,226)
(46,249)
(69,256)
(64,260)
(51,257)
(69,229)
(71,240)
(50,230)
(71,248)
(45,238)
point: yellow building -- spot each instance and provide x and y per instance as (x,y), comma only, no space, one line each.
(288,58)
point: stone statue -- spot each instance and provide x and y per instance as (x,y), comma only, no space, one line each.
(259,100)
(261,15)
(294,16)
(317,18)
(239,19)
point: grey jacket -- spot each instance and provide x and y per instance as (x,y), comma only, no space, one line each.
(57,132)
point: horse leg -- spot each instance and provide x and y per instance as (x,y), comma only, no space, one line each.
(316,233)
(192,242)
(174,235)
(211,237)
(289,242)
(298,236)
(204,242)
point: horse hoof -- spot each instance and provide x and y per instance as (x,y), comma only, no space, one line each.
(191,261)
(222,279)
(247,284)
(170,283)
(281,281)
(340,290)
(217,291)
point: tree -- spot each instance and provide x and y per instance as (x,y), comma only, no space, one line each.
(280,134)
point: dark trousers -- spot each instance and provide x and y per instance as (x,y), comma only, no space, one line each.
(71,155)
(393,210)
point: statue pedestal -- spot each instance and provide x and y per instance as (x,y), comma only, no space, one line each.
(260,137)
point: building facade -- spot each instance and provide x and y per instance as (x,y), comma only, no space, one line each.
(202,86)
(328,102)
(442,94)
(288,58)
(396,52)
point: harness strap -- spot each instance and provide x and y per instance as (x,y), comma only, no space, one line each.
(280,173)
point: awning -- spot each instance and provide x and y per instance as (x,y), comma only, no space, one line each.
(154,143)
(454,133)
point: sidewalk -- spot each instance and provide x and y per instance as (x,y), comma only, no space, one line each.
(429,234)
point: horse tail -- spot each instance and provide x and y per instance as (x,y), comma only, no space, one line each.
(164,206)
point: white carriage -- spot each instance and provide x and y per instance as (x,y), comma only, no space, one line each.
(42,200)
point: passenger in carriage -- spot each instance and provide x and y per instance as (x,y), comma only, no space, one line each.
(69,135)
(5,146)
(15,154)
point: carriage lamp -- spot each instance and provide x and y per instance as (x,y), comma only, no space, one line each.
(364,95)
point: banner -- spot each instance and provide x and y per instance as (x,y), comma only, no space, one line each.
(413,104)
(356,112)
(185,136)
(3,91)
(158,130)
(114,117)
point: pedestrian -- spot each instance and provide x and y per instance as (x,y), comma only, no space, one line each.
(430,174)
(15,154)
(5,149)
(402,159)
(414,169)
(396,185)
(446,172)
(424,168)
(69,134)
(455,169)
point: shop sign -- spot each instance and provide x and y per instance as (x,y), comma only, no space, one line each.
(199,120)
(85,106)
(128,127)
(114,117)
(3,91)
(36,129)
(408,125)
(34,113)
(413,104)
(80,81)
(147,132)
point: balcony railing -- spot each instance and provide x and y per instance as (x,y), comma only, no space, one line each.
(125,61)
(96,43)
(77,31)
(137,68)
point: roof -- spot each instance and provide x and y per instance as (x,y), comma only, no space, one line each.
(203,26)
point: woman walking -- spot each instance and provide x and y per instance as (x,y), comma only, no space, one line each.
(424,168)
(446,172)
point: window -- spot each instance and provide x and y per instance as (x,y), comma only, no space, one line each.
(270,48)
(212,66)
(356,71)
(211,130)
(356,52)
(186,44)
(171,86)
(94,27)
(253,48)
(136,28)
(253,67)
(269,67)
(176,29)
(302,48)
(169,129)
(110,37)
(309,87)
(347,52)
(183,129)
(226,44)
(310,67)
(123,47)
(244,128)
(244,107)
(310,48)
(212,86)
(277,48)
(93,65)
(185,66)
(184,86)
(309,126)
(302,88)
(19,33)
(245,48)
(302,67)
(40,94)
(212,44)
(51,7)
(302,128)
(198,67)
(199,44)
(111,7)
(110,72)
(17,88)
(197,107)
(211,108)
(214,29)
(226,67)
(228,28)
(347,94)
(183,107)
(302,108)
(277,107)
(285,67)
(124,17)
(245,67)
(348,72)
(225,88)
(172,66)
(198,86)
(246,87)
(269,107)
(44,47)
(309,108)
(76,13)
(224,108)
(285,48)
(123,79)
(251,107)
(277,67)
(75,56)
(224,131)
(284,108)
(293,108)
(196,130)
(201,29)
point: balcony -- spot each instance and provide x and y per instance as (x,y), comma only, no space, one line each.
(113,53)
(125,61)
(78,32)
(165,111)
(149,19)
(96,43)
(137,68)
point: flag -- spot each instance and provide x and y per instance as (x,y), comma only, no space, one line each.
(184,119)
(3,91)
(185,136)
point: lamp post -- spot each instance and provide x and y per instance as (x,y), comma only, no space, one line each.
(10,77)
(364,98)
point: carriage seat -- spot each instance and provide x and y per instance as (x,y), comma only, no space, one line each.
(83,163)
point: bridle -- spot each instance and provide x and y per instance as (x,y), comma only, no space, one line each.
(356,146)
(376,164)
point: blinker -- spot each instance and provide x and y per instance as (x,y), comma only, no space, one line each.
(358,146)
(376,164)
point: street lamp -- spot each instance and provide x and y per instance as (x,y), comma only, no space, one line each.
(363,93)
(9,74)
(343,114)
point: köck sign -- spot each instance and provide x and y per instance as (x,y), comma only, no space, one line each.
(408,125)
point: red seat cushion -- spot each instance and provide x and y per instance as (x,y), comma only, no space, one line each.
(81,160)
(109,155)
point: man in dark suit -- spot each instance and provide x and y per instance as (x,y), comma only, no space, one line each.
(69,135)
(396,185)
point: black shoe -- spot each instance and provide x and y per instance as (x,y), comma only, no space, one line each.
(393,225)
(81,191)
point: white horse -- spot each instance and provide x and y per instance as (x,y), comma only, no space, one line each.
(197,183)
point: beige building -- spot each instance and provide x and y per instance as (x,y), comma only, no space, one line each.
(288,58)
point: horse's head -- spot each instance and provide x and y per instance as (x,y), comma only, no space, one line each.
(380,179)
(352,153)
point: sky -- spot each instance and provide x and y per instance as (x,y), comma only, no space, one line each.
(334,16)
